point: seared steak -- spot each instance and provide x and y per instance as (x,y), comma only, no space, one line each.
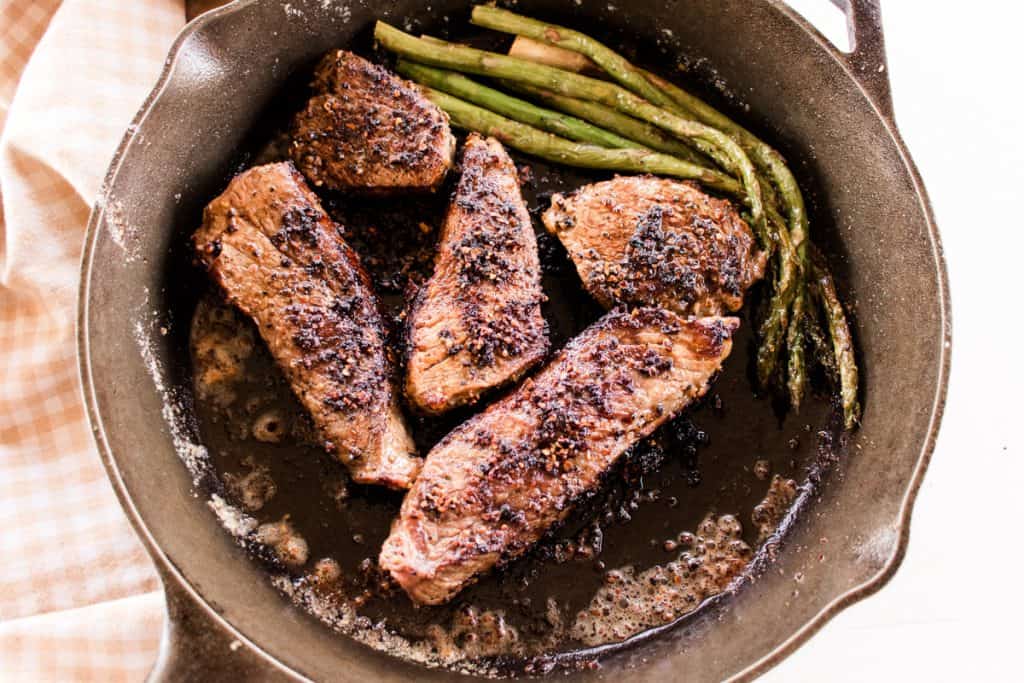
(646,241)
(367,129)
(476,324)
(496,484)
(278,257)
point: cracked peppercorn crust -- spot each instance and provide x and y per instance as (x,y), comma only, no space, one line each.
(477,324)
(496,484)
(280,259)
(367,129)
(648,241)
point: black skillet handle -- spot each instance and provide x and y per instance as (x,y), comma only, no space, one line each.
(867,56)
(194,647)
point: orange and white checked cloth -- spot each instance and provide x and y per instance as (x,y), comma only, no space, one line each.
(79,599)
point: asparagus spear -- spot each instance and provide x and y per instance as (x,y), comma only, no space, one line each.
(842,341)
(796,379)
(597,114)
(455,84)
(536,51)
(519,110)
(466,59)
(639,131)
(823,352)
(617,66)
(559,150)
(773,328)
(467,89)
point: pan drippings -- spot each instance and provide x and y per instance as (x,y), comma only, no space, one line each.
(681,519)
(632,601)
(318,533)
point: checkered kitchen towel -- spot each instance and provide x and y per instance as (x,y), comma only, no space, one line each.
(79,598)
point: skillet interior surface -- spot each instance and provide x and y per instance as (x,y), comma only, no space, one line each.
(835,544)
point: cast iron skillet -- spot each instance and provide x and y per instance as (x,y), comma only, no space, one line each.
(830,111)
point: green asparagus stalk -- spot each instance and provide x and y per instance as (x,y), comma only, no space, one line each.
(464,88)
(514,108)
(470,60)
(648,86)
(617,66)
(842,342)
(455,84)
(639,131)
(773,328)
(796,374)
(537,51)
(552,148)
(823,352)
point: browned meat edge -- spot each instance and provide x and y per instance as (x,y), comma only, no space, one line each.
(280,259)
(497,483)
(477,324)
(648,241)
(368,130)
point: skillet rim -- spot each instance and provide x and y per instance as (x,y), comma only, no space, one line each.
(893,563)
(169,572)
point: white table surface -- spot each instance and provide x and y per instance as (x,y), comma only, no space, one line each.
(953,610)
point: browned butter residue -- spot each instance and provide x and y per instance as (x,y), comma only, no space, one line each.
(631,601)
(471,634)
(474,633)
(710,559)
(252,489)
(769,512)
(288,545)
(221,344)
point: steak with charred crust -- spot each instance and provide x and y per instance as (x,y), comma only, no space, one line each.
(476,324)
(496,484)
(280,259)
(647,241)
(367,129)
